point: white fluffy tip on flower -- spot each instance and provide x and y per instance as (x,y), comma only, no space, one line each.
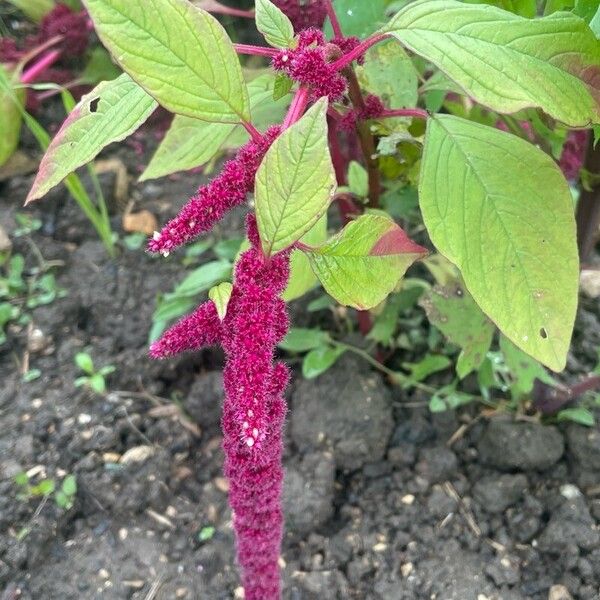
(156,236)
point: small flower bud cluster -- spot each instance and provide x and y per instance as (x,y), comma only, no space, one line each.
(373,108)
(309,64)
(304,13)
(61,20)
(212,201)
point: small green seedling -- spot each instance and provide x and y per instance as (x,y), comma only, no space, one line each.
(64,497)
(95,380)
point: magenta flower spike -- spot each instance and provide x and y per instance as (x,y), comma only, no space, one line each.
(212,201)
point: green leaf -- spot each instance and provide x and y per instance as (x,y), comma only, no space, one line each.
(203,278)
(31,375)
(170,308)
(100,67)
(21,478)
(501,211)
(69,485)
(282,87)
(430,364)
(595,23)
(359,18)
(454,312)
(525,8)
(84,361)
(178,53)
(295,182)
(302,277)
(358,179)
(10,115)
(35,10)
(389,73)
(190,142)
(228,249)
(361,265)
(317,361)
(580,415)
(43,488)
(301,340)
(524,370)
(386,323)
(505,61)
(97,383)
(220,295)
(109,113)
(275,26)
(206,533)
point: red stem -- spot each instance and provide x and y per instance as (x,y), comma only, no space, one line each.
(418,113)
(345,60)
(254,133)
(297,107)
(41,48)
(335,24)
(30,75)
(255,50)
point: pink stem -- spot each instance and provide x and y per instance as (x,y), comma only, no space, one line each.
(254,133)
(297,107)
(345,60)
(418,113)
(255,50)
(41,48)
(335,24)
(30,75)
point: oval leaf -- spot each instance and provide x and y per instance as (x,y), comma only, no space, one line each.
(178,53)
(109,113)
(191,142)
(275,26)
(505,61)
(295,181)
(220,295)
(361,265)
(500,209)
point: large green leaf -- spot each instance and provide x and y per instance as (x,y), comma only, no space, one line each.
(505,61)
(295,182)
(179,53)
(362,264)
(389,73)
(191,142)
(10,114)
(500,209)
(275,26)
(109,113)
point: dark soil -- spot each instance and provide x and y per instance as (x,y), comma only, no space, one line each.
(383,501)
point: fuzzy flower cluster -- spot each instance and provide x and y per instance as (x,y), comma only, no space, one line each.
(61,21)
(304,13)
(573,154)
(212,201)
(310,64)
(254,408)
(372,109)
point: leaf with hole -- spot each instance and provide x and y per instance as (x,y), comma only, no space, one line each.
(454,312)
(109,113)
(179,54)
(295,181)
(361,265)
(505,61)
(510,230)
